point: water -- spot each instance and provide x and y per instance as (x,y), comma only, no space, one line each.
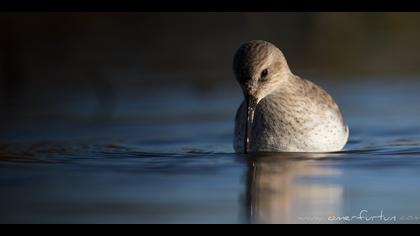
(166,156)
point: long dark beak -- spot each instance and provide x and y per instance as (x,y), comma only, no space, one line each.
(251,104)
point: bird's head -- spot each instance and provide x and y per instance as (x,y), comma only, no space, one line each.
(260,68)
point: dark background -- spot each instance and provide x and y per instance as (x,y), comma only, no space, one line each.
(48,58)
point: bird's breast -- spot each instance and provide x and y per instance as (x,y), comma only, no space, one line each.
(296,124)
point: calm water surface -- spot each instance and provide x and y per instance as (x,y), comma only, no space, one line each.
(166,156)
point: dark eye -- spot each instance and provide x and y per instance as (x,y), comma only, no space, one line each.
(264,73)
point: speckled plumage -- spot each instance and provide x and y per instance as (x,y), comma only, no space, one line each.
(292,114)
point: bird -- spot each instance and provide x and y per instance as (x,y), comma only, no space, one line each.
(281,112)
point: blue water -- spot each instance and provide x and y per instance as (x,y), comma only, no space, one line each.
(166,156)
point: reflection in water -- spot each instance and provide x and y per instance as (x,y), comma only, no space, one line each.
(290,188)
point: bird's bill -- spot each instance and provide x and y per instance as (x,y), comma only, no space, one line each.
(251,103)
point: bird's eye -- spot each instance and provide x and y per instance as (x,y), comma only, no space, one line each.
(264,73)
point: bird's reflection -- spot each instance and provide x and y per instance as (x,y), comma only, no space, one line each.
(291,188)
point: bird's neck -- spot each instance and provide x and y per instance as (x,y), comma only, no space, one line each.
(286,85)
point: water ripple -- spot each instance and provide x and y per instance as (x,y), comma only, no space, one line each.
(59,152)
